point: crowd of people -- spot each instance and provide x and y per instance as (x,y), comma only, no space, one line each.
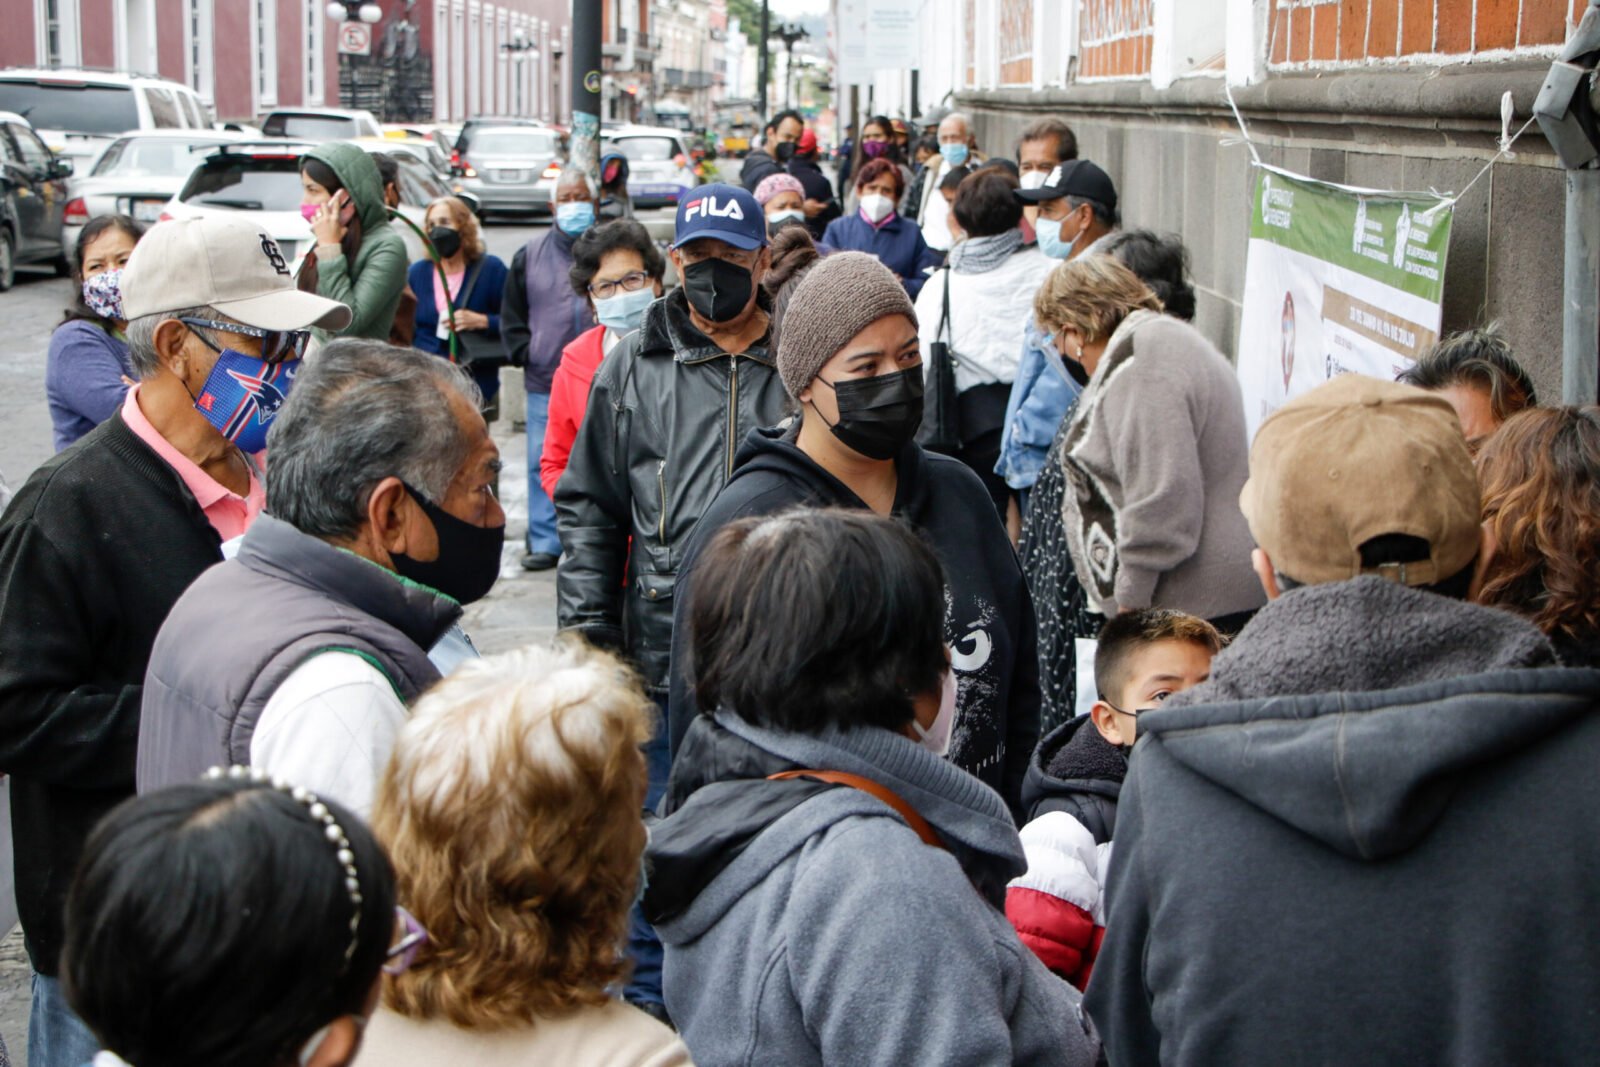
(837,490)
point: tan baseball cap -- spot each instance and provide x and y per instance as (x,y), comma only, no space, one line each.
(1354,459)
(230,264)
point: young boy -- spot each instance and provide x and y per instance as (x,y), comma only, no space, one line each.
(1070,793)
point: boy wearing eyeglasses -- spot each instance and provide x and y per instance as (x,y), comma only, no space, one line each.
(1071,790)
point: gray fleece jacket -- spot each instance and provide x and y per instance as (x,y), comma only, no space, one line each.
(1155,457)
(1368,839)
(818,928)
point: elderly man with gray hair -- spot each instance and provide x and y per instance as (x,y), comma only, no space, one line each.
(957,148)
(101,541)
(540,314)
(300,654)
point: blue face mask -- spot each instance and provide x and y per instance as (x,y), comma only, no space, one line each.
(243,394)
(574,218)
(624,312)
(1050,242)
(954,154)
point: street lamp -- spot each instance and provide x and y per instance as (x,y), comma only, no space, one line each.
(354,11)
(519,48)
(790,36)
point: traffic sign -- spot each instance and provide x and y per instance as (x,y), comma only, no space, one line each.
(355,38)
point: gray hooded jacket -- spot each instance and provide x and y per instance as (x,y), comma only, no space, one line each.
(245,625)
(1368,839)
(819,928)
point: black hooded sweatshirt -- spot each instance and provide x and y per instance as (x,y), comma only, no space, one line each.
(1350,847)
(1077,771)
(989,621)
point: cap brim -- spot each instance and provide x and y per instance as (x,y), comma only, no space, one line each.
(287,309)
(741,241)
(1037,196)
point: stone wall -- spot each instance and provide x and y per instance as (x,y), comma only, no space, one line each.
(1178,168)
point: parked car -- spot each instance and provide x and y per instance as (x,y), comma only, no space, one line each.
(33,198)
(419,187)
(320,124)
(510,169)
(420,149)
(659,166)
(137,174)
(78,112)
(259,179)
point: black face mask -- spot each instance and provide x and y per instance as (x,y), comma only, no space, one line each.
(469,556)
(446,242)
(717,289)
(878,416)
(785,151)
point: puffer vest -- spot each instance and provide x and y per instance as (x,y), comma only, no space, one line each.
(245,625)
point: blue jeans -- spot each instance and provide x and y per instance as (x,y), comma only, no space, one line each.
(56,1037)
(644,947)
(541,513)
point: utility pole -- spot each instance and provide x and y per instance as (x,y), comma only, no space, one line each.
(790,36)
(585,64)
(763,73)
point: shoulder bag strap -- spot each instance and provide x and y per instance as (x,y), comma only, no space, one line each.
(459,300)
(944,314)
(867,785)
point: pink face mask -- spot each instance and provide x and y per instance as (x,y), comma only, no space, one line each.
(309,211)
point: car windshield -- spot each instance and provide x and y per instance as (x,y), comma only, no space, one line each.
(647,149)
(512,143)
(149,157)
(245,183)
(71,106)
(310,127)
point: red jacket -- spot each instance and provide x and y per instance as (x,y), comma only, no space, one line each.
(569,398)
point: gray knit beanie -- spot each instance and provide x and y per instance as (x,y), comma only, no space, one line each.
(838,298)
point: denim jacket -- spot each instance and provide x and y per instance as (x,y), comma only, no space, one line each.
(1039,401)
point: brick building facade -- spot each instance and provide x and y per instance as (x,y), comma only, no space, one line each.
(1414,105)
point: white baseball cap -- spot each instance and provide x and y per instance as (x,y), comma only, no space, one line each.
(229,264)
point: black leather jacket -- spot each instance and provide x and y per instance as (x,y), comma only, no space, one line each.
(667,411)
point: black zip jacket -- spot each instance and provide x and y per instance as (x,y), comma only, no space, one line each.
(94,551)
(817,187)
(1077,771)
(989,625)
(666,413)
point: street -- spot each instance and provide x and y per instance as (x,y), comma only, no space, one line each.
(520,608)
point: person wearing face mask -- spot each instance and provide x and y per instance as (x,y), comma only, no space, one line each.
(87,370)
(667,411)
(618,269)
(957,149)
(541,316)
(777,148)
(827,884)
(382,524)
(849,357)
(476,281)
(359,258)
(1077,215)
(103,538)
(782,198)
(1044,146)
(877,142)
(818,203)
(235,921)
(877,228)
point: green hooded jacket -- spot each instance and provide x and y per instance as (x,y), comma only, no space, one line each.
(373,284)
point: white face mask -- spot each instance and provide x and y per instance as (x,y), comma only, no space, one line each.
(876,207)
(936,738)
(779,218)
(1034,179)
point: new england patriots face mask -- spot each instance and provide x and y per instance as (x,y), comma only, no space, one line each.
(243,394)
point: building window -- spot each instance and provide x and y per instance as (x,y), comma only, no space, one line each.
(313,57)
(1016,42)
(264,53)
(50,19)
(197,46)
(56,32)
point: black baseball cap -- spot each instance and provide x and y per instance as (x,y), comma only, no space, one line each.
(1076,177)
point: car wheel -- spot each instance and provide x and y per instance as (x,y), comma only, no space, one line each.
(63,265)
(8,260)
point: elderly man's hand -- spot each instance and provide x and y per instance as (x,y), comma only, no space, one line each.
(814,208)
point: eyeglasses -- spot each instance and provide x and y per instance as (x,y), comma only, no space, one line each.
(403,953)
(628,283)
(277,346)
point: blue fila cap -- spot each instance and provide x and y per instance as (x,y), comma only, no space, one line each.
(722,213)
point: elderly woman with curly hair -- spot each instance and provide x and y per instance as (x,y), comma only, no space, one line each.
(1540,474)
(511,811)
